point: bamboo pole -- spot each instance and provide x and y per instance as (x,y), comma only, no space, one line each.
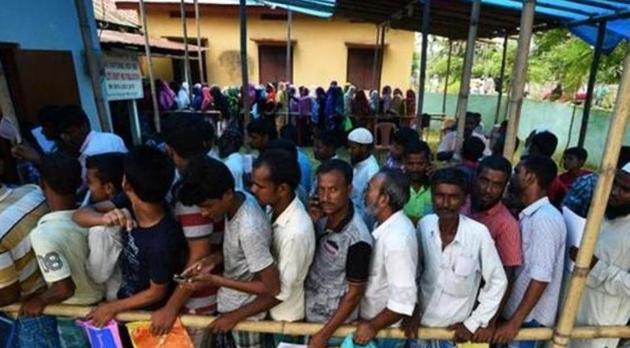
(182,9)
(448,73)
(94,65)
(597,208)
(244,69)
(375,67)
(147,52)
(381,57)
(202,78)
(426,18)
(464,89)
(588,102)
(501,78)
(301,329)
(519,77)
(288,58)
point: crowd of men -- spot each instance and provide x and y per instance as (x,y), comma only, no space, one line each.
(194,226)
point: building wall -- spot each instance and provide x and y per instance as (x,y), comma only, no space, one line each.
(320,52)
(51,25)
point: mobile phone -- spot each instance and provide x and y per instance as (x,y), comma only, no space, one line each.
(178,278)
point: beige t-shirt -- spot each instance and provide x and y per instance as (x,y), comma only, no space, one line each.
(61,247)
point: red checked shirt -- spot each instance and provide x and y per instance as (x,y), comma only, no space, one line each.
(503,228)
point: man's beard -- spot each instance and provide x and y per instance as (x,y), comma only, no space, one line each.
(613,212)
(477,205)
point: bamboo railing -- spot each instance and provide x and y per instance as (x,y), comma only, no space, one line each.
(301,329)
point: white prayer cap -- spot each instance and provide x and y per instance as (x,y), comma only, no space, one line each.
(626,168)
(361,136)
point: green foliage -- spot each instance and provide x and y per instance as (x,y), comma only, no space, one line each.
(556,56)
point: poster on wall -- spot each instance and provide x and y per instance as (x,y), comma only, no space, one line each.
(123,79)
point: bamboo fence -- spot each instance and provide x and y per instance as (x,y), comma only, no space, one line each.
(301,329)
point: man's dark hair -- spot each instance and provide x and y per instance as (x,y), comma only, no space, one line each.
(328,138)
(544,168)
(472,149)
(109,167)
(404,136)
(70,116)
(263,126)
(624,156)
(451,176)
(338,165)
(149,172)
(283,167)
(289,132)
(47,114)
(417,148)
(186,134)
(282,144)
(496,162)
(546,142)
(579,152)
(230,141)
(396,186)
(61,172)
(205,178)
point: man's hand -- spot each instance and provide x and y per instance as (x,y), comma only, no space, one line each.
(120,217)
(102,314)
(411,324)
(315,210)
(318,340)
(573,251)
(162,321)
(484,334)
(365,333)
(461,333)
(204,266)
(223,323)
(25,152)
(506,332)
(199,282)
(33,306)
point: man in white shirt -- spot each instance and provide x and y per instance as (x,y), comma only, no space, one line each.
(360,145)
(457,253)
(533,301)
(391,289)
(75,137)
(275,177)
(606,297)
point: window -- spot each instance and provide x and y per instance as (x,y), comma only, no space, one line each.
(272,62)
(361,67)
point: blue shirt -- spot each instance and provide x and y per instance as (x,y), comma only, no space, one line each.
(305,171)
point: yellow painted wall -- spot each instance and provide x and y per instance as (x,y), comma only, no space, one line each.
(320,53)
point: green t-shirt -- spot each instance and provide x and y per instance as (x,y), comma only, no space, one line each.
(420,203)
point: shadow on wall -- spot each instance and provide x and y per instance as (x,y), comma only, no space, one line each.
(230,61)
(535,114)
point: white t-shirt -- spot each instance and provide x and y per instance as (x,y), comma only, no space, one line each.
(97,143)
(61,247)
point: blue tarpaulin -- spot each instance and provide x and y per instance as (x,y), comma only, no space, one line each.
(573,13)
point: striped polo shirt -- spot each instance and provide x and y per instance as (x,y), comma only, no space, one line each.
(20,209)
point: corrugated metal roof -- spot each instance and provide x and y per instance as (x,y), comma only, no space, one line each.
(137,40)
(106,11)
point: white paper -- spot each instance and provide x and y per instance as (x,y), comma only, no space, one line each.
(46,145)
(9,131)
(575,227)
(291,345)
